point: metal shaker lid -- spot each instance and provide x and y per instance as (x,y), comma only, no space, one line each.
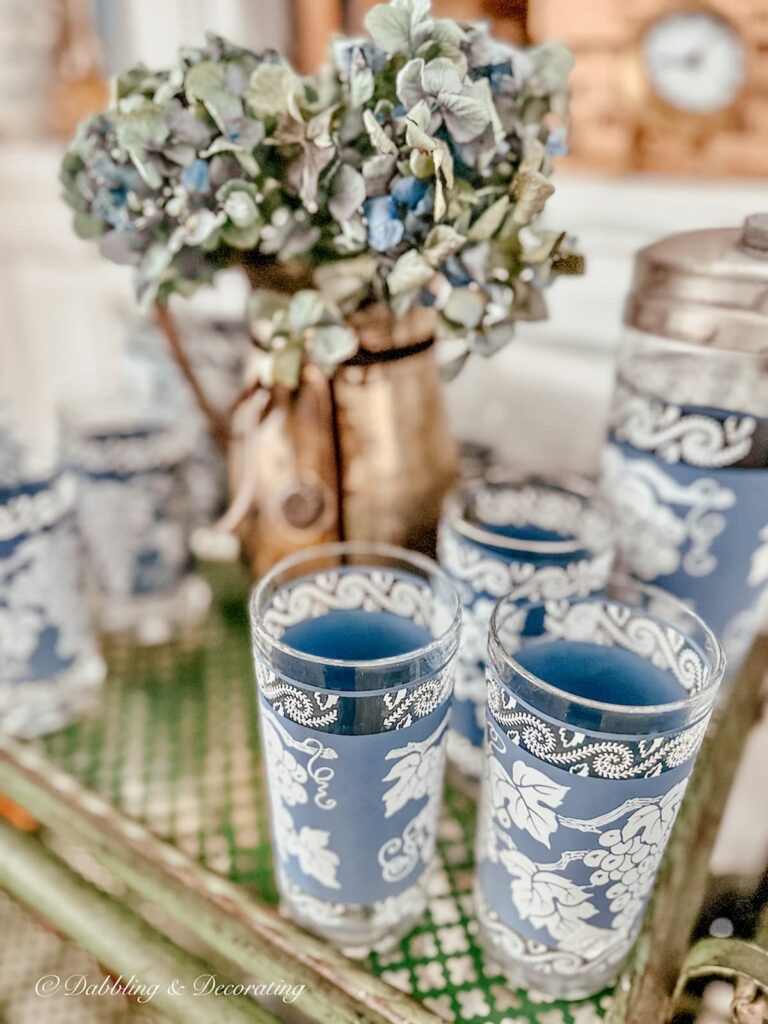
(709,286)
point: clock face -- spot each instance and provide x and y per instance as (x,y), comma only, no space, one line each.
(695,61)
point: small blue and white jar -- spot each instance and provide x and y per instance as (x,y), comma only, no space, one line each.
(50,667)
(354,646)
(135,517)
(686,470)
(217,350)
(524,538)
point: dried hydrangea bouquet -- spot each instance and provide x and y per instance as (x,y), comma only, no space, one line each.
(384,203)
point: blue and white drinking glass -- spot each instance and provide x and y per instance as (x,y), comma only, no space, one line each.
(354,646)
(50,668)
(686,469)
(135,517)
(596,710)
(527,538)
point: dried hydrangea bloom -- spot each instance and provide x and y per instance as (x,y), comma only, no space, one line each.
(410,171)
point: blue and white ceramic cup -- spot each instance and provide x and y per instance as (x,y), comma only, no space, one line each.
(135,517)
(354,647)
(523,537)
(686,469)
(217,350)
(50,668)
(596,710)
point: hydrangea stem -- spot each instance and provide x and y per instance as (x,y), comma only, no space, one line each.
(338,462)
(216,423)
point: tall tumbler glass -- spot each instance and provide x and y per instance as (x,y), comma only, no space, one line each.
(686,468)
(354,647)
(525,537)
(596,710)
(135,517)
(50,667)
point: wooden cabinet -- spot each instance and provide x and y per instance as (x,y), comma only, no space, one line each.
(665,85)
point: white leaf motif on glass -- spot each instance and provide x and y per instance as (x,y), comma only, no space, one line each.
(416,773)
(399,855)
(314,857)
(289,786)
(525,799)
(548,899)
(311,709)
(622,863)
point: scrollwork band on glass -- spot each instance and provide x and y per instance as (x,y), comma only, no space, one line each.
(710,439)
(348,590)
(589,754)
(316,709)
(122,453)
(689,485)
(529,540)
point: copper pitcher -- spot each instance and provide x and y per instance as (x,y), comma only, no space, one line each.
(366,456)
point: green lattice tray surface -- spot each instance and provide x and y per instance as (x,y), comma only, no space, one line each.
(175,745)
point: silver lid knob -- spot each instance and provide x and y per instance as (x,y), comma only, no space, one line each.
(754,235)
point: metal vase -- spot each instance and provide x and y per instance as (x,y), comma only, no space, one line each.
(366,456)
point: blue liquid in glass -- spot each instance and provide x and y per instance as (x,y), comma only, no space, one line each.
(357,636)
(610,675)
(526,532)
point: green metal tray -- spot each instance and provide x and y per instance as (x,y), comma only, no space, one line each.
(157,800)
(30,951)
(174,745)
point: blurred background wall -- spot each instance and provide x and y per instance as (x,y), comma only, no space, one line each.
(65,309)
